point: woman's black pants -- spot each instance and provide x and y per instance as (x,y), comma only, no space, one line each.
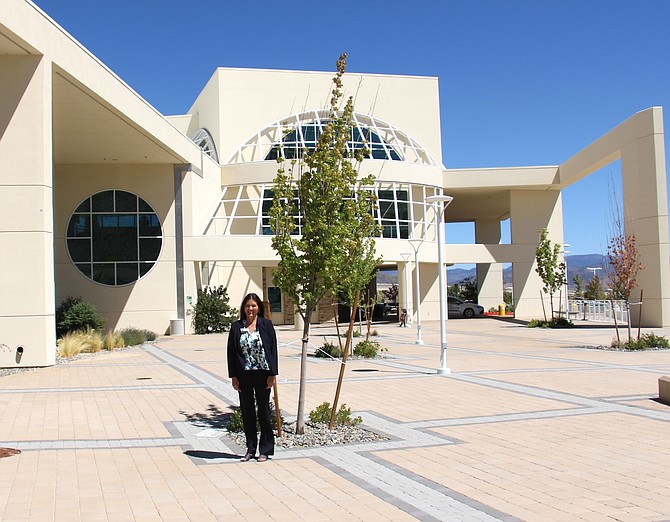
(254,383)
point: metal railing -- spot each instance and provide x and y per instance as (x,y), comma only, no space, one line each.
(601,311)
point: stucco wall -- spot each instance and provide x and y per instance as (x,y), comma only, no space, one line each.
(148,303)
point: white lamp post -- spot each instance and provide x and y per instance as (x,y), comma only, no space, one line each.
(443,202)
(416,244)
(594,270)
(567,284)
(408,315)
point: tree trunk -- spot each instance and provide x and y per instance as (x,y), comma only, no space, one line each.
(337,325)
(300,421)
(343,364)
(277,410)
(616,324)
(639,316)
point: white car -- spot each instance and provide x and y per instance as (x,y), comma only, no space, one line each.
(459,308)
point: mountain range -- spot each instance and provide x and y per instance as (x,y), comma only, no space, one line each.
(576,264)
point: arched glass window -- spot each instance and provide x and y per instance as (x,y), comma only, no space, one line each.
(294,143)
(203,139)
(114,237)
(293,135)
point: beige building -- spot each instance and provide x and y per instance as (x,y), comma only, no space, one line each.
(103,197)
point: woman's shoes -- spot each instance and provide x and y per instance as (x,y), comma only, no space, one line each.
(247,457)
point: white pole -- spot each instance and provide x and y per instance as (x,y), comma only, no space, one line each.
(408,313)
(438,200)
(416,244)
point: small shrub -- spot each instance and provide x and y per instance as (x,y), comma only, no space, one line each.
(113,340)
(134,336)
(645,342)
(235,424)
(561,322)
(556,322)
(212,312)
(328,351)
(93,340)
(374,333)
(78,342)
(356,333)
(321,415)
(367,349)
(651,340)
(75,314)
(70,345)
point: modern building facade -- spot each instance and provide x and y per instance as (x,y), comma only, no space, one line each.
(103,197)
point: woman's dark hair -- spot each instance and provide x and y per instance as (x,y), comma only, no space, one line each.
(259,302)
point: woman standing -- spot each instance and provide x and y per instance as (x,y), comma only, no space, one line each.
(252,366)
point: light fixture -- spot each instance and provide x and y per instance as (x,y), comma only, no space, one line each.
(443,201)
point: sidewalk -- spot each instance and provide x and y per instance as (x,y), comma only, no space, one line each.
(530,425)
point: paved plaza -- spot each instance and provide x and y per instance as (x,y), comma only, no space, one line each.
(530,425)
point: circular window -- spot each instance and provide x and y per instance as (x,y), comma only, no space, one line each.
(114,237)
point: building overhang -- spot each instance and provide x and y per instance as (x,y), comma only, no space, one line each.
(484,193)
(97,118)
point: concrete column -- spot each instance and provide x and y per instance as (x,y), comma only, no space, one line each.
(429,288)
(27,324)
(531,211)
(405,296)
(646,216)
(489,275)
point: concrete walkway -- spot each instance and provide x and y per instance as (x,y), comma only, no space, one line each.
(530,425)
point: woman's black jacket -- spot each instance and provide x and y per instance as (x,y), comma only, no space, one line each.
(268,338)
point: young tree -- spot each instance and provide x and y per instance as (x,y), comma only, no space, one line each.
(455,290)
(359,270)
(594,290)
(321,187)
(469,289)
(624,265)
(578,281)
(549,268)
(624,258)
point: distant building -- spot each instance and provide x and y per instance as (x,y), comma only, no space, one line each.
(103,197)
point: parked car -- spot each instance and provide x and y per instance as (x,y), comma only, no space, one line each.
(459,308)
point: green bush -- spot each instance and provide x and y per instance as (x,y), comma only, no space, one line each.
(367,349)
(74,314)
(321,415)
(235,424)
(328,351)
(556,322)
(645,342)
(134,336)
(212,312)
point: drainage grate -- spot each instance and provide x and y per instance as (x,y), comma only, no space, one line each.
(8,452)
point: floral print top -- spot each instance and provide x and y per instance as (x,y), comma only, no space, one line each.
(252,348)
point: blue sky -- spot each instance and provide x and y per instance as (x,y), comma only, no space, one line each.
(522,82)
